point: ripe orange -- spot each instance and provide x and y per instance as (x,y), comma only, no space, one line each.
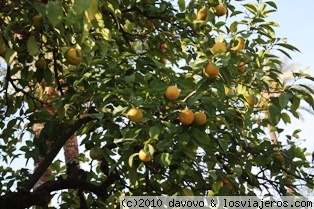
(220,10)
(240,44)
(211,71)
(202,14)
(40,64)
(228,90)
(163,46)
(49,91)
(37,21)
(227,183)
(288,181)
(144,156)
(135,115)
(186,117)
(219,47)
(241,67)
(279,157)
(199,118)
(163,61)
(150,25)
(250,100)
(73,56)
(172,93)
(3,48)
(171,105)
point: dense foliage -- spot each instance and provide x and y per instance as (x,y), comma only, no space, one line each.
(79,66)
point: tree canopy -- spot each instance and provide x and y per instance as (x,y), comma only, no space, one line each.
(166,97)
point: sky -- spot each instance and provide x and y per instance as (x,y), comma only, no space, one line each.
(295,20)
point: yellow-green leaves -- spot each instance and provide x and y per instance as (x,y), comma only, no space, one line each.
(32,46)
(233,27)
(181,4)
(92,9)
(54,13)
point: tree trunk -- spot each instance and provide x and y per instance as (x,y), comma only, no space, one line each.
(37,129)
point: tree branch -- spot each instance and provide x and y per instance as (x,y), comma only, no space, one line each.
(188,96)
(64,136)
(25,199)
(55,64)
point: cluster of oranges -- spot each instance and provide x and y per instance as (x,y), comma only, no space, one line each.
(220,10)
(219,48)
(210,70)
(186,117)
(72,55)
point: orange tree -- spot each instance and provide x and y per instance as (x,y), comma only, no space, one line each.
(110,63)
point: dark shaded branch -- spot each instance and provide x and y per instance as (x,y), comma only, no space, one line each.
(6,86)
(83,204)
(42,196)
(69,183)
(28,185)
(17,89)
(55,64)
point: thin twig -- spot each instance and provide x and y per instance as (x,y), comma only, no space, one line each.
(188,96)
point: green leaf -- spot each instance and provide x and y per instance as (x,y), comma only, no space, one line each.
(201,137)
(86,128)
(92,9)
(213,174)
(272,4)
(86,29)
(130,161)
(238,171)
(224,143)
(54,13)
(105,32)
(298,152)
(202,85)
(283,100)
(181,4)
(104,48)
(295,104)
(233,27)
(296,133)
(56,166)
(216,186)
(10,55)
(133,175)
(119,110)
(274,114)
(32,46)
(184,141)
(166,159)
(309,89)
(154,132)
(251,7)
(130,78)
(286,118)
(289,46)
(61,112)
(285,53)
(187,192)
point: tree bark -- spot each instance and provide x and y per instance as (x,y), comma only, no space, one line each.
(44,178)
(57,146)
